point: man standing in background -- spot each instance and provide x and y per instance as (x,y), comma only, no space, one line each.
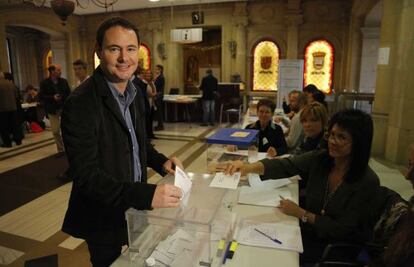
(53,93)
(209,88)
(8,113)
(159,83)
(80,69)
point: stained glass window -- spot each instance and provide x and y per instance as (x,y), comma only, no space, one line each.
(96,60)
(144,59)
(319,59)
(265,66)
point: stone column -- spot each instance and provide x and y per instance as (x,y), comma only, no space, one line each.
(354,54)
(394,95)
(241,49)
(58,47)
(4,62)
(293,19)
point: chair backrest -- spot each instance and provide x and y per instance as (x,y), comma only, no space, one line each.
(174,91)
(388,217)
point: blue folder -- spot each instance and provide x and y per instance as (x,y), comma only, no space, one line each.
(224,136)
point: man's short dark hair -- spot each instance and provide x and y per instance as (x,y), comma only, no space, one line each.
(81,63)
(209,71)
(113,22)
(267,103)
(160,67)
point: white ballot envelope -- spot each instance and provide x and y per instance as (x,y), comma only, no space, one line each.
(183,181)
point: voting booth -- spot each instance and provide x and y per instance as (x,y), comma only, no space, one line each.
(232,144)
(191,235)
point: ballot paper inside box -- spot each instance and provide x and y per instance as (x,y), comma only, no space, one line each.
(185,236)
(231,144)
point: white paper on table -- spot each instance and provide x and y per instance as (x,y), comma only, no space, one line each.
(263,196)
(289,235)
(255,181)
(226,181)
(241,152)
(182,181)
(260,156)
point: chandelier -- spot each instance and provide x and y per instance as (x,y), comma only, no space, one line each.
(64,8)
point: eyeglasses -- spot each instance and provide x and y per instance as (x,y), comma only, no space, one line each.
(339,138)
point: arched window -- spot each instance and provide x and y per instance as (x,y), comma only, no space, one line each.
(96,60)
(144,57)
(318,70)
(265,66)
(47,61)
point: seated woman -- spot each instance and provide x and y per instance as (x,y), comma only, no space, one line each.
(271,138)
(314,119)
(339,183)
(34,114)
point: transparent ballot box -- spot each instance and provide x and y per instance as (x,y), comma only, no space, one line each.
(186,236)
(232,144)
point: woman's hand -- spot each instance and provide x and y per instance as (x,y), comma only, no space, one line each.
(230,167)
(271,152)
(289,207)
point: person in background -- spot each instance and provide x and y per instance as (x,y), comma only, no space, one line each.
(295,133)
(315,95)
(159,83)
(53,93)
(314,119)
(208,87)
(34,114)
(271,137)
(9,122)
(286,106)
(151,92)
(103,127)
(410,172)
(80,69)
(339,184)
(148,91)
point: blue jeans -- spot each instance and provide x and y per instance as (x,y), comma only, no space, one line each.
(209,111)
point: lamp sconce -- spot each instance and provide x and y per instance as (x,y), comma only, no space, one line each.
(161,51)
(233,48)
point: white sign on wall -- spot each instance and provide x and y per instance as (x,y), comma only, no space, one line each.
(290,78)
(383,55)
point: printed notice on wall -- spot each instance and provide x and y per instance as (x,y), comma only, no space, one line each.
(383,55)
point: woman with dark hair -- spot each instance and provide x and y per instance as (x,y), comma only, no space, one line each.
(339,183)
(315,95)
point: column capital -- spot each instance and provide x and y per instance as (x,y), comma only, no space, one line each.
(293,19)
(154,26)
(241,21)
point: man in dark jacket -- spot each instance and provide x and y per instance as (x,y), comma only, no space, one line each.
(8,113)
(53,93)
(103,126)
(209,88)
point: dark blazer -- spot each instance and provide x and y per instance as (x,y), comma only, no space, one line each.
(48,89)
(209,87)
(98,146)
(274,136)
(346,210)
(159,83)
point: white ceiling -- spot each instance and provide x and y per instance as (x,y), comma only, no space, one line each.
(139,4)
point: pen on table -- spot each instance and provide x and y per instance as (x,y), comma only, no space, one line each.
(282,198)
(268,236)
(226,252)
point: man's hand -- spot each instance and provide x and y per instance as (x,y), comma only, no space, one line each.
(168,165)
(166,196)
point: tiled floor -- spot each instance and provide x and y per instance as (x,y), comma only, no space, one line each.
(33,230)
